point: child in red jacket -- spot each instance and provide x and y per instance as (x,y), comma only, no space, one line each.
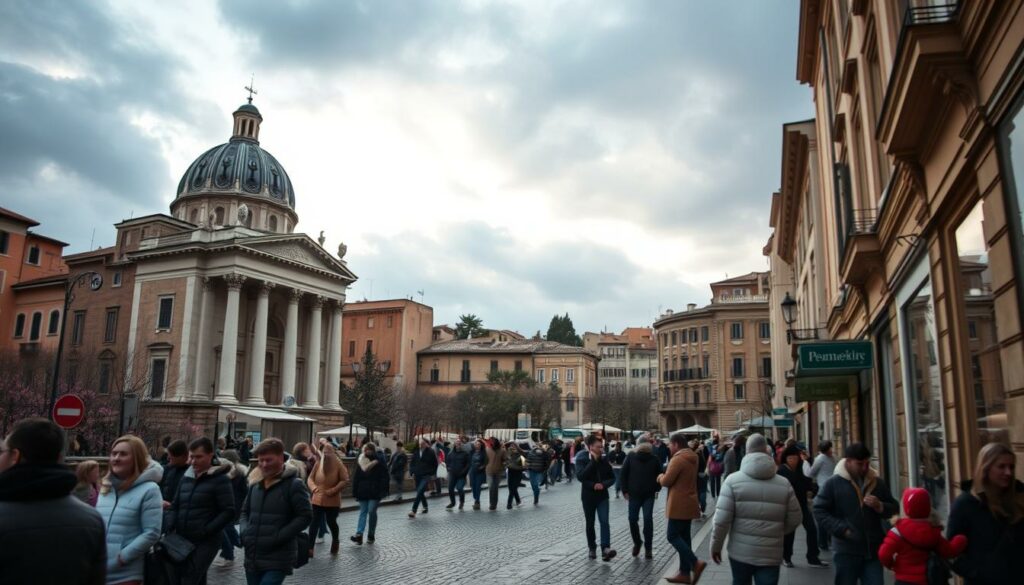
(906,547)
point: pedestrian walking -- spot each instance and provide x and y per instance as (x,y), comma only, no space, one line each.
(716,468)
(87,486)
(422,469)
(326,480)
(910,543)
(702,475)
(399,462)
(515,470)
(176,453)
(538,460)
(497,462)
(819,471)
(990,513)
(201,509)
(459,461)
(477,471)
(442,456)
(275,515)
(368,487)
(792,470)
(852,505)
(682,507)
(47,535)
(639,481)
(734,457)
(245,450)
(596,478)
(239,486)
(131,505)
(755,509)
(617,457)
(555,472)
(569,459)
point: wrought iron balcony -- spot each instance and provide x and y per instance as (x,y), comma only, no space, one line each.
(931,14)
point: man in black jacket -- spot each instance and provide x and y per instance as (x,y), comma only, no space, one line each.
(399,461)
(177,465)
(202,508)
(47,535)
(458,469)
(422,468)
(275,512)
(639,481)
(792,470)
(851,506)
(596,478)
(537,461)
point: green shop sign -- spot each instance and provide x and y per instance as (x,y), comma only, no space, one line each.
(825,388)
(834,357)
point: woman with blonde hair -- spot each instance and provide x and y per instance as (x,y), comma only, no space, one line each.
(132,509)
(328,477)
(990,513)
(88,487)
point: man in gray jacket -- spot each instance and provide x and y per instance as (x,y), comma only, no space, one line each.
(758,508)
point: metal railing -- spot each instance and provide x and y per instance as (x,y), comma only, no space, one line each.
(863,221)
(931,14)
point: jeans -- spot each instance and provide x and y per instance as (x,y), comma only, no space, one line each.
(851,569)
(320,514)
(678,533)
(493,485)
(743,574)
(457,487)
(367,508)
(618,484)
(635,506)
(515,478)
(229,540)
(476,484)
(264,578)
(536,478)
(702,492)
(422,482)
(570,470)
(400,483)
(600,508)
(715,482)
(812,537)
(555,473)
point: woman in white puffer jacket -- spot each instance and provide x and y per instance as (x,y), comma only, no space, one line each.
(756,509)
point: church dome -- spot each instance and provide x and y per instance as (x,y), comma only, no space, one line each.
(239,167)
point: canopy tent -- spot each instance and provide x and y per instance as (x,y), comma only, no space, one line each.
(356,430)
(695,430)
(761,422)
(599,427)
(450,437)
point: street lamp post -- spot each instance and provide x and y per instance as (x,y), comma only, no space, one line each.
(95,282)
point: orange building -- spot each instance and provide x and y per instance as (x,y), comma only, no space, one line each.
(394,330)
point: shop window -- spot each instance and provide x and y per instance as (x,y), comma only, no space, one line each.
(989,398)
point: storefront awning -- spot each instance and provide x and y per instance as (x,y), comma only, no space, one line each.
(264,414)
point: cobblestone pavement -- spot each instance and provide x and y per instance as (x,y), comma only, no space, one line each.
(536,545)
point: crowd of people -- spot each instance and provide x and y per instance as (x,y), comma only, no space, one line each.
(164,519)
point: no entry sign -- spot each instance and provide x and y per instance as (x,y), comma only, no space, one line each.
(68,411)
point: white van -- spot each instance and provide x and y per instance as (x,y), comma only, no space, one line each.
(532,436)
(570,435)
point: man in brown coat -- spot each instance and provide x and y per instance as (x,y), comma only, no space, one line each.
(682,507)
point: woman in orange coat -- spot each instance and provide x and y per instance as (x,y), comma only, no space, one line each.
(328,477)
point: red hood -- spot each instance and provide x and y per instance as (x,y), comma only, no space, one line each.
(919,533)
(917,503)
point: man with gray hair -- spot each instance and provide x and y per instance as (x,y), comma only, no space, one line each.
(758,508)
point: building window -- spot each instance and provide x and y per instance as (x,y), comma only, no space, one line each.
(391,321)
(78,328)
(116,279)
(737,391)
(351,349)
(163,322)
(693,335)
(218,216)
(705,333)
(103,386)
(673,338)
(157,377)
(972,329)
(435,374)
(519,366)
(736,331)
(766,367)
(33,255)
(465,376)
(554,375)
(494,366)
(369,346)
(272,223)
(5,242)
(570,375)
(369,322)
(737,367)
(765,330)
(707,366)
(53,326)
(110,327)
(540,376)
(37,325)
(19,325)
(696,396)
(570,402)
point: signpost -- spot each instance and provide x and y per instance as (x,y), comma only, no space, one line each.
(834,358)
(68,411)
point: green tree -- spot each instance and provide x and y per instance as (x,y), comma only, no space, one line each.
(562,330)
(511,380)
(370,400)
(469,326)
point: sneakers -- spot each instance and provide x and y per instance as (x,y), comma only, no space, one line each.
(509,506)
(607,554)
(818,563)
(370,539)
(424,510)
(476,505)
(450,506)
(636,550)
(648,554)
(356,538)
(461,504)
(787,563)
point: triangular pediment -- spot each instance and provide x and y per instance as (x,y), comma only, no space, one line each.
(301,250)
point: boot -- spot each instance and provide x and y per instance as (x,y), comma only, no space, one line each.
(451,505)
(607,554)
(476,505)
(679,578)
(335,545)
(698,568)
(536,500)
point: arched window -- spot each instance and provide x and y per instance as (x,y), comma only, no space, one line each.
(272,223)
(218,216)
(19,325)
(194,216)
(54,325)
(570,402)
(37,323)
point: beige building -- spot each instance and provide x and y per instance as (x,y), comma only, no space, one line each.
(629,368)
(451,366)
(716,360)
(917,205)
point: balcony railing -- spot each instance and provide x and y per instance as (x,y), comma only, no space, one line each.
(931,14)
(863,221)
(732,299)
(683,375)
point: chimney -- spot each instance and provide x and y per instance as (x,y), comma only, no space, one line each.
(691,306)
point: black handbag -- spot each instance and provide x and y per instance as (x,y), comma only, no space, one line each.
(175,547)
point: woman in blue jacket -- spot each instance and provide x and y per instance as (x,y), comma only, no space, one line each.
(132,509)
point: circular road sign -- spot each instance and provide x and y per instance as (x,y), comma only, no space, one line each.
(68,411)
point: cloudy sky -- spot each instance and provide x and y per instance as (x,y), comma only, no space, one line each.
(510,159)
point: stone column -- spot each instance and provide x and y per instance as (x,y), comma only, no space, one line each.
(204,353)
(258,349)
(333,389)
(291,346)
(311,397)
(229,347)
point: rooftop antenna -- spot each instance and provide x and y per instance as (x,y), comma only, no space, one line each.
(92,238)
(420,292)
(251,88)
